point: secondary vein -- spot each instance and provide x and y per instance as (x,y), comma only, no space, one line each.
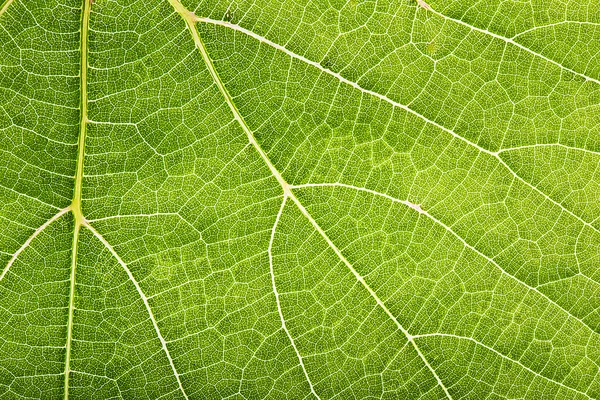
(408,109)
(5,6)
(190,20)
(30,239)
(478,343)
(512,42)
(145,301)
(418,208)
(287,332)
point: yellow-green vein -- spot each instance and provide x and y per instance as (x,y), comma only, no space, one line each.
(190,20)
(5,6)
(76,204)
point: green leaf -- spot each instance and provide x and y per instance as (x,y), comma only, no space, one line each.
(300,199)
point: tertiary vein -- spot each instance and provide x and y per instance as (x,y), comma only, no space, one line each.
(144,299)
(272,272)
(496,154)
(191,20)
(478,343)
(418,208)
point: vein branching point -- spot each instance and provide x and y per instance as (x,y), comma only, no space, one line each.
(76,204)
(299,199)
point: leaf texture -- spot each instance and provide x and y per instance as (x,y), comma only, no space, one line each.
(309,199)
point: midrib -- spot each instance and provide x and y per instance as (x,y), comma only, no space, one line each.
(76,203)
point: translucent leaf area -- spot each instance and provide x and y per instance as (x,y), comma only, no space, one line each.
(293,199)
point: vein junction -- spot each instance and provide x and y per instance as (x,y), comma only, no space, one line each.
(288,193)
(190,20)
(80,220)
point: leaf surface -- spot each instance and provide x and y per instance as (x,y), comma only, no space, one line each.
(300,199)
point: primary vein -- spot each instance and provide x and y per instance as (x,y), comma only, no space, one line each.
(76,204)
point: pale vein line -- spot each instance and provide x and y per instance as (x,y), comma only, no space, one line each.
(501,355)
(270,252)
(262,39)
(158,214)
(76,203)
(529,146)
(555,24)
(144,299)
(27,163)
(371,291)
(511,41)
(29,197)
(437,221)
(336,75)
(5,6)
(190,20)
(30,239)
(19,94)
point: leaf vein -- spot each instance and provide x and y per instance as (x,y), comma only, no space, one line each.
(287,332)
(390,101)
(447,228)
(501,355)
(30,239)
(190,20)
(513,42)
(144,299)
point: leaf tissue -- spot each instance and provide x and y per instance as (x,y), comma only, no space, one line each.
(324,199)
